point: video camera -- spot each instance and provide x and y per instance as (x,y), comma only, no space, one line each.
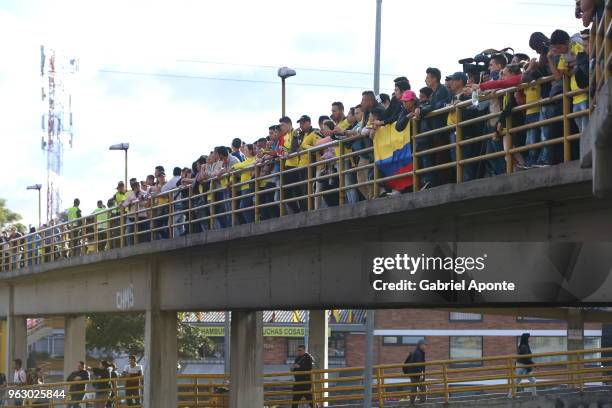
(479,64)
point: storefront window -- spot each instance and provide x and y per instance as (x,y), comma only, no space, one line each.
(464,347)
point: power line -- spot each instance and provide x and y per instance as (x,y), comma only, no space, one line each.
(275,67)
(526,3)
(255,81)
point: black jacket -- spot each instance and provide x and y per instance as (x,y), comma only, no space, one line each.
(306,363)
(438,100)
(403,120)
(83,375)
(524,349)
(392,113)
(582,70)
(417,356)
(101,374)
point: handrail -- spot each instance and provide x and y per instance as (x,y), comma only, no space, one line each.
(443,379)
(269,188)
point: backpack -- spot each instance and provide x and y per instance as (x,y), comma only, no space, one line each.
(405,369)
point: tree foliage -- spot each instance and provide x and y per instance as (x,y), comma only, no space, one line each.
(124,333)
(8,217)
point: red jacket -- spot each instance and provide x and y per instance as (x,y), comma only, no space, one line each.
(514,80)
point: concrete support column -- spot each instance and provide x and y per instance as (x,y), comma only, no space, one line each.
(16,342)
(318,328)
(575,330)
(160,386)
(16,336)
(246,364)
(575,340)
(74,342)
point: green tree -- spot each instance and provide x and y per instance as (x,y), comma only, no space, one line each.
(124,333)
(8,217)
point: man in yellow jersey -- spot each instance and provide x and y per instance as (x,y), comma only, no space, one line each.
(532,115)
(101,217)
(557,62)
(223,163)
(579,77)
(295,143)
(115,223)
(343,124)
(244,172)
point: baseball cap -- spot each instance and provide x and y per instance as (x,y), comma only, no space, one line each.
(458,76)
(408,96)
(120,184)
(304,118)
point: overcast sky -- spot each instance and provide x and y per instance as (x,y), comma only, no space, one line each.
(147,68)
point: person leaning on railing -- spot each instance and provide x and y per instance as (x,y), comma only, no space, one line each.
(101,222)
(223,162)
(73,215)
(244,174)
(77,391)
(511,76)
(296,141)
(267,156)
(103,388)
(136,218)
(438,100)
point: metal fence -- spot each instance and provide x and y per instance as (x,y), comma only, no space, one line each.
(274,189)
(440,381)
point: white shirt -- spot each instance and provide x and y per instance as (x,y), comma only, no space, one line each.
(19,377)
(137,369)
(171,184)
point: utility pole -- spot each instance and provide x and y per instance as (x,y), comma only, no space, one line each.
(369,340)
(377,47)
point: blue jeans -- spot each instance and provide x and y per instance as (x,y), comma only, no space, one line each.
(534,135)
(223,221)
(496,165)
(467,151)
(582,121)
(426,161)
(246,202)
(143,231)
(547,112)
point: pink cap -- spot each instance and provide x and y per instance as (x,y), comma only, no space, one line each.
(408,96)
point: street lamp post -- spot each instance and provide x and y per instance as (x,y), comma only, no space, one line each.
(37,187)
(370,314)
(124,147)
(284,73)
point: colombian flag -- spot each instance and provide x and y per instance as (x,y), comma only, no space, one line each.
(393,154)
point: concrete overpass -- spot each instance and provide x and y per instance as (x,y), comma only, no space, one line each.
(318,260)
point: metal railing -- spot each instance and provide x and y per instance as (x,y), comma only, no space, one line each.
(600,42)
(440,381)
(271,188)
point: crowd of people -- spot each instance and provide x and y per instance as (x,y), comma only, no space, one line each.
(87,383)
(221,188)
